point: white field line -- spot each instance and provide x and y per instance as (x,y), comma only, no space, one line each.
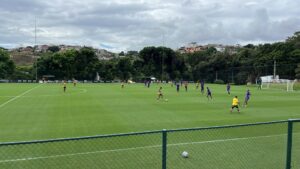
(54,95)
(16,97)
(135,148)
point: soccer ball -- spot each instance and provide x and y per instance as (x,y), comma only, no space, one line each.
(185,154)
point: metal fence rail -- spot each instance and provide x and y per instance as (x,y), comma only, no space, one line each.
(268,145)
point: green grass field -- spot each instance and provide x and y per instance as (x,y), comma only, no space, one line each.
(43,111)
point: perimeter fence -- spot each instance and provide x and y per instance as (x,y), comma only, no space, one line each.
(267,145)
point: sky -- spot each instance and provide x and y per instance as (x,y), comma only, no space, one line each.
(123,25)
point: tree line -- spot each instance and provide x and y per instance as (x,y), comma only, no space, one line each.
(239,67)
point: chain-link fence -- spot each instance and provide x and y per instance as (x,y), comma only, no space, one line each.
(249,146)
(126,151)
(271,145)
(245,74)
(295,161)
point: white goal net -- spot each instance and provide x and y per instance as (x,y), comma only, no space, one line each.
(268,82)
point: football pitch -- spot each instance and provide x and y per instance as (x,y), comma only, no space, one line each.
(43,111)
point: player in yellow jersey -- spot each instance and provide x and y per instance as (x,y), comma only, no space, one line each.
(74,82)
(160,94)
(197,84)
(235,104)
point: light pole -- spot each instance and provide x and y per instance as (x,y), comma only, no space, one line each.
(162,58)
(162,64)
(274,70)
(36,69)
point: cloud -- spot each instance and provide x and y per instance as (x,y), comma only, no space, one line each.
(132,24)
(251,3)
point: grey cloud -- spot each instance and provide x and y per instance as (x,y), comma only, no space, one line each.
(20,5)
(132,24)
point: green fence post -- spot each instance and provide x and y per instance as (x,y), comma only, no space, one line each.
(164,149)
(289,145)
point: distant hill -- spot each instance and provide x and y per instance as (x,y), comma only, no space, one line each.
(24,56)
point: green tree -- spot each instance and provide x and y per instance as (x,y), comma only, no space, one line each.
(295,38)
(132,53)
(245,65)
(69,64)
(122,53)
(124,68)
(85,64)
(53,49)
(23,72)
(297,71)
(160,62)
(7,66)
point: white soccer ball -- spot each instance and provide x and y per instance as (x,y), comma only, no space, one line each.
(185,154)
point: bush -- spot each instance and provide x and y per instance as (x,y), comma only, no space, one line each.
(297,86)
(219,81)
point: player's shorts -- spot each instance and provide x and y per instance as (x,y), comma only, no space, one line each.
(235,106)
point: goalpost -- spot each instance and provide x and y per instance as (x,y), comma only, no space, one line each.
(290,85)
(265,85)
(268,82)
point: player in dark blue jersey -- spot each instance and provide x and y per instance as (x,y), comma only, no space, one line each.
(177,86)
(202,86)
(148,84)
(247,98)
(228,88)
(208,94)
(259,81)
